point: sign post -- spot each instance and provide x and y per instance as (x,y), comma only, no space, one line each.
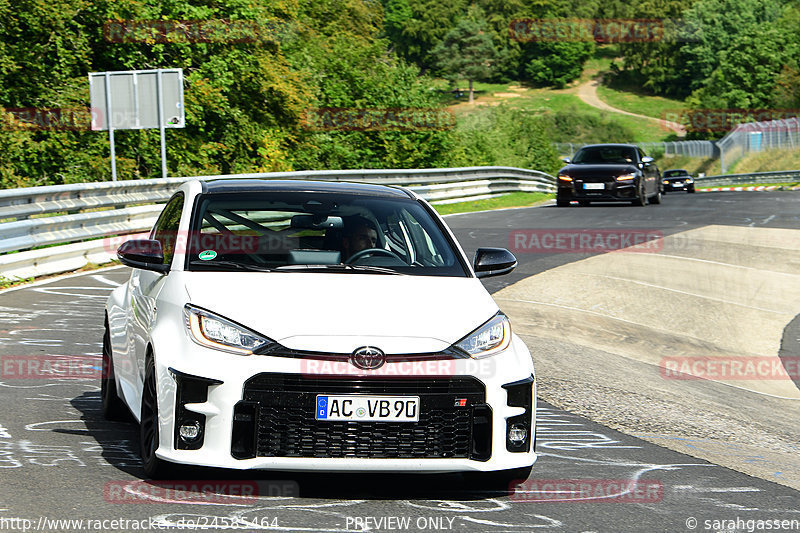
(137,99)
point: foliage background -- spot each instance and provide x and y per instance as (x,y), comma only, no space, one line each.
(245,102)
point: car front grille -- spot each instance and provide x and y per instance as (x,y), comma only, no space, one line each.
(276,419)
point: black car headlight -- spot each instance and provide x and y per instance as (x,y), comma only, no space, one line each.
(213,331)
(565,177)
(491,338)
(626,177)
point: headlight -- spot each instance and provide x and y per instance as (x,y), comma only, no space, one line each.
(492,337)
(690,180)
(212,331)
(665,182)
(626,177)
(564,177)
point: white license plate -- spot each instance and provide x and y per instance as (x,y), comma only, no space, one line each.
(594,185)
(359,408)
(677,184)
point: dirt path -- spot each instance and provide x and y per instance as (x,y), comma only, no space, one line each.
(588,93)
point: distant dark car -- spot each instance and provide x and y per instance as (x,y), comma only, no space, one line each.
(677,179)
(609,173)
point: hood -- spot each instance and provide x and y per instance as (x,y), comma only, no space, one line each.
(616,169)
(338,313)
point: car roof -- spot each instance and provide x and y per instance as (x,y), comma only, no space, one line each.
(613,145)
(257,185)
(676,170)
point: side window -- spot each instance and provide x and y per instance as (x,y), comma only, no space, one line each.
(166,229)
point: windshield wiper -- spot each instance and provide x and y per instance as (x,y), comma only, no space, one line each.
(233,264)
(340,268)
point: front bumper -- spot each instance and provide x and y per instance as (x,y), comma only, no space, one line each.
(257,412)
(611,190)
(678,186)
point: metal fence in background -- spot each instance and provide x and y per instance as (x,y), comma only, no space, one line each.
(686,148)
(761,178)
(79,218)
(758,136)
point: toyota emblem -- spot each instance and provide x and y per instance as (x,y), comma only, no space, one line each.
(368,358)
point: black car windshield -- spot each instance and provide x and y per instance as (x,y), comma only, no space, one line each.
(674,173)
(311,232)
(593,155)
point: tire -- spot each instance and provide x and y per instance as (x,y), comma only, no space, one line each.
(584,203)
(113,406)
(154,467)
(640,200)
(562,202)
(500,480)
(656,198)
(690,191)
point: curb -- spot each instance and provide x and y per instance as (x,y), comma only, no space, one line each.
(754,188)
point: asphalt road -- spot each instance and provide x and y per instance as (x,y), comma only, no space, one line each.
(61,461)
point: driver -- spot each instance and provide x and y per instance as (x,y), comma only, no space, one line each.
(359,234)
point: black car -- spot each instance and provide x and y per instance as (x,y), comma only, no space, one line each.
(609,173)
(677,179)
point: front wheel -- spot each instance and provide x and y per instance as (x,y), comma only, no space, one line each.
(154,467)
(691,190)
(562,202)
(640,198)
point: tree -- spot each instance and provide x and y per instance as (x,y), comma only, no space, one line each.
(655,63)
(415,27)
(466,52)
(734,52)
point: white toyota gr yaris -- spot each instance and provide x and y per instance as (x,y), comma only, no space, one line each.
(316,326)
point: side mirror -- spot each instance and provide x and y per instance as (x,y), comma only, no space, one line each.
(143,253)
(493,262)
(647,160)
(566,160)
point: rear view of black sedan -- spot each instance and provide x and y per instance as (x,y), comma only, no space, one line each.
(609,173)
(677,179)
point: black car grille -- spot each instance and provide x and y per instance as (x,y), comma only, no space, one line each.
(276,419)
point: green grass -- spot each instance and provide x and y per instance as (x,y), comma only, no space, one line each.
(639,103)
(479,88)
(643,130)
(514,199)
(5,283)
(766,161)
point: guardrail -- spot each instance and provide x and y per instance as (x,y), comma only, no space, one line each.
(780,176)
(77,217)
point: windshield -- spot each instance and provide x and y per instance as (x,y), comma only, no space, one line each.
(302,232)
(674,173)
(605,155)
